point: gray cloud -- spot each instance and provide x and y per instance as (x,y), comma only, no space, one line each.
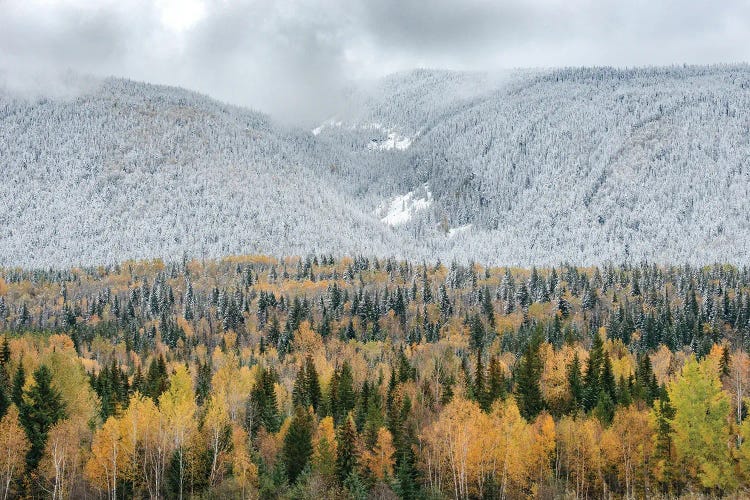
(293,58)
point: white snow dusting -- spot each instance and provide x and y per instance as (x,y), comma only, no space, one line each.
(458,230)
(401,209)
(393,141)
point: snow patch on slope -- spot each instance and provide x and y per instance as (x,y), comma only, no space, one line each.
(332,123)
(390,138)
(401,209)
(458,230)
(393,141)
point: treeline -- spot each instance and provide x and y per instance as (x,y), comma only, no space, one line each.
(255,377)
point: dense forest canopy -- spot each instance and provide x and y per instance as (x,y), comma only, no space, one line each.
(346,377)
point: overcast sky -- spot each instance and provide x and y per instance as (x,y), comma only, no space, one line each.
(292,57)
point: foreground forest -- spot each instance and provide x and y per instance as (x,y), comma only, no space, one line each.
(254,377)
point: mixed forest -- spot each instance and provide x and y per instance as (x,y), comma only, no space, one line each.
(327,377)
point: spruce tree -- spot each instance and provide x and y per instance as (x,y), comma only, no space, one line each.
(593,374)
(19,380)
(346,396)
(203,383)
(481,395)
(346,450)
(42,409)
(262,409)
(298,447)
(575,383)
(497,383)
(528,375)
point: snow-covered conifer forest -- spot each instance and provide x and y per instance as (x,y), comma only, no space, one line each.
(583,165)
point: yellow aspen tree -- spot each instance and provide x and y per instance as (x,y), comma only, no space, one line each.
(737,385)
(324,450)
(511,445)
(61,458)
(452,436)
(628,445)
(542,447)
(379,461)
(579,454)
(701,425)
(13,448)
(145,430)
(178,407)
(244,470)
(108,457)
(215,426)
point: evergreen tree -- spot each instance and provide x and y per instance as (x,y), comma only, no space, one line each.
(42,409)
(592,381)
(157,378)
(487,309)
(481,394)
(262,409)
(298,448)
(497,382)
(19,380)
(528,375)
(607,380)
(346,396)
(605,408)
(575,383)
(476,332)
(346,450)
(306,391)
(203,383)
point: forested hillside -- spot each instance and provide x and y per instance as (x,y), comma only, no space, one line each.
(129,170)
(528,167)
(580,164)
(328,377)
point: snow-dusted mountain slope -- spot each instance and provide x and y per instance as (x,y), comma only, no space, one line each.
(582,165)
(134,170)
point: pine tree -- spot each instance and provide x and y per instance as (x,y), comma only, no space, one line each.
(487,309)
(607,380)
(157,378)
(604,409)
(5,352)
(5,383)
(663,446)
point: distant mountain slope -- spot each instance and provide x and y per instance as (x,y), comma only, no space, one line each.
(580,165)
(134,170)
(584,164)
